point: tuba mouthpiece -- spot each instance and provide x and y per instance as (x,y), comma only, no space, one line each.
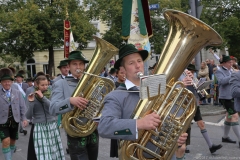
(78,71)
(139,74)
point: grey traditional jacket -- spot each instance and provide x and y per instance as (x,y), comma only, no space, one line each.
(116,121)
(57,78)
(28,91)
(13,86)
(235,89)
(24,86)
(60,96)
(223,76)
(39,111)
(17,103)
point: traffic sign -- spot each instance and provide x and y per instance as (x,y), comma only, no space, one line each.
(154,6)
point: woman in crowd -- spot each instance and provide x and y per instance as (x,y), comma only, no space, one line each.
(44,141)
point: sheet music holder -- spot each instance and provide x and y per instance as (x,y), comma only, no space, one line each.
(152,86)
(201,81)
(204,85)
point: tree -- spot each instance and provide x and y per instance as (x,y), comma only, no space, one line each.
(110,12)
(10,60)
(38,25)
(225,19)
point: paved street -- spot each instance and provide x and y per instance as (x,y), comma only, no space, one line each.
(213,116)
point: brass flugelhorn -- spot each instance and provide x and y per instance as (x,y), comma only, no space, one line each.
(202,94)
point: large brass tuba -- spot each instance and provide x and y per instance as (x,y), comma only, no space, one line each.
(79,123)
(187,36)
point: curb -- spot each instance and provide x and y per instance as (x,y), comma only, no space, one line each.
(213,113)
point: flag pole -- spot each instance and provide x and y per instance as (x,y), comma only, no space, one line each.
(66,35)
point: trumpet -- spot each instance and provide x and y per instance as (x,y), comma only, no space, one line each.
(202,94)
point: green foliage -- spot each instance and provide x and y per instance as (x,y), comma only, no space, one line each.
(38,25)
(223,16)
(8,60)
(110,12)
(225,19)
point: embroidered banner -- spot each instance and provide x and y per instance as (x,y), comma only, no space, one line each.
(136,25)
(66,38)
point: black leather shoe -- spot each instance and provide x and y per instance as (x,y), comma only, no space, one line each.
(21,131)
(24,132)
(67,150)
(187,151)
(228,140)
(215,147)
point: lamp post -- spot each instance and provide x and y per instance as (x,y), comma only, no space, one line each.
(196,10)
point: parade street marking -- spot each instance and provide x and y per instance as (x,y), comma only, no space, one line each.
(200,156)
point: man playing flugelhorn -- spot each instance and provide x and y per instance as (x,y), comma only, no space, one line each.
(198,117)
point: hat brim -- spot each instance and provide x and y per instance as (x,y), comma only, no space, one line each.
(70,59)
(61,66)
(7,78)
(226,60)
(18,76)
(191,69)
(143,53)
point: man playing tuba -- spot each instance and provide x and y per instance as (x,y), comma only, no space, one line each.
(80,148)
(115,122)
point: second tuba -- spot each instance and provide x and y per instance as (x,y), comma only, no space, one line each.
(176,108)
(79,123)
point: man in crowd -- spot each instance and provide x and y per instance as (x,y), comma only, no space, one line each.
(13,110)
(112,74)
(19,80)
(198,117)
(29,82)
(235,91)
(223,75)
(64,69)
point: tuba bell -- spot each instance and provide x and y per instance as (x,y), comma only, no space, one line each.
(176,108)
(79,123)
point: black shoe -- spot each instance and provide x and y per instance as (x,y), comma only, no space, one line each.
(187,151)
(228,140)
(24,132)
(215,147)
(67,150)
(21,131)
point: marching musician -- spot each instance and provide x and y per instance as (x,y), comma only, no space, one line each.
(80,148)
(115,122)
(223,75)
(235,91)
(63,67)
(198,117)
(44,141)
(12,113)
